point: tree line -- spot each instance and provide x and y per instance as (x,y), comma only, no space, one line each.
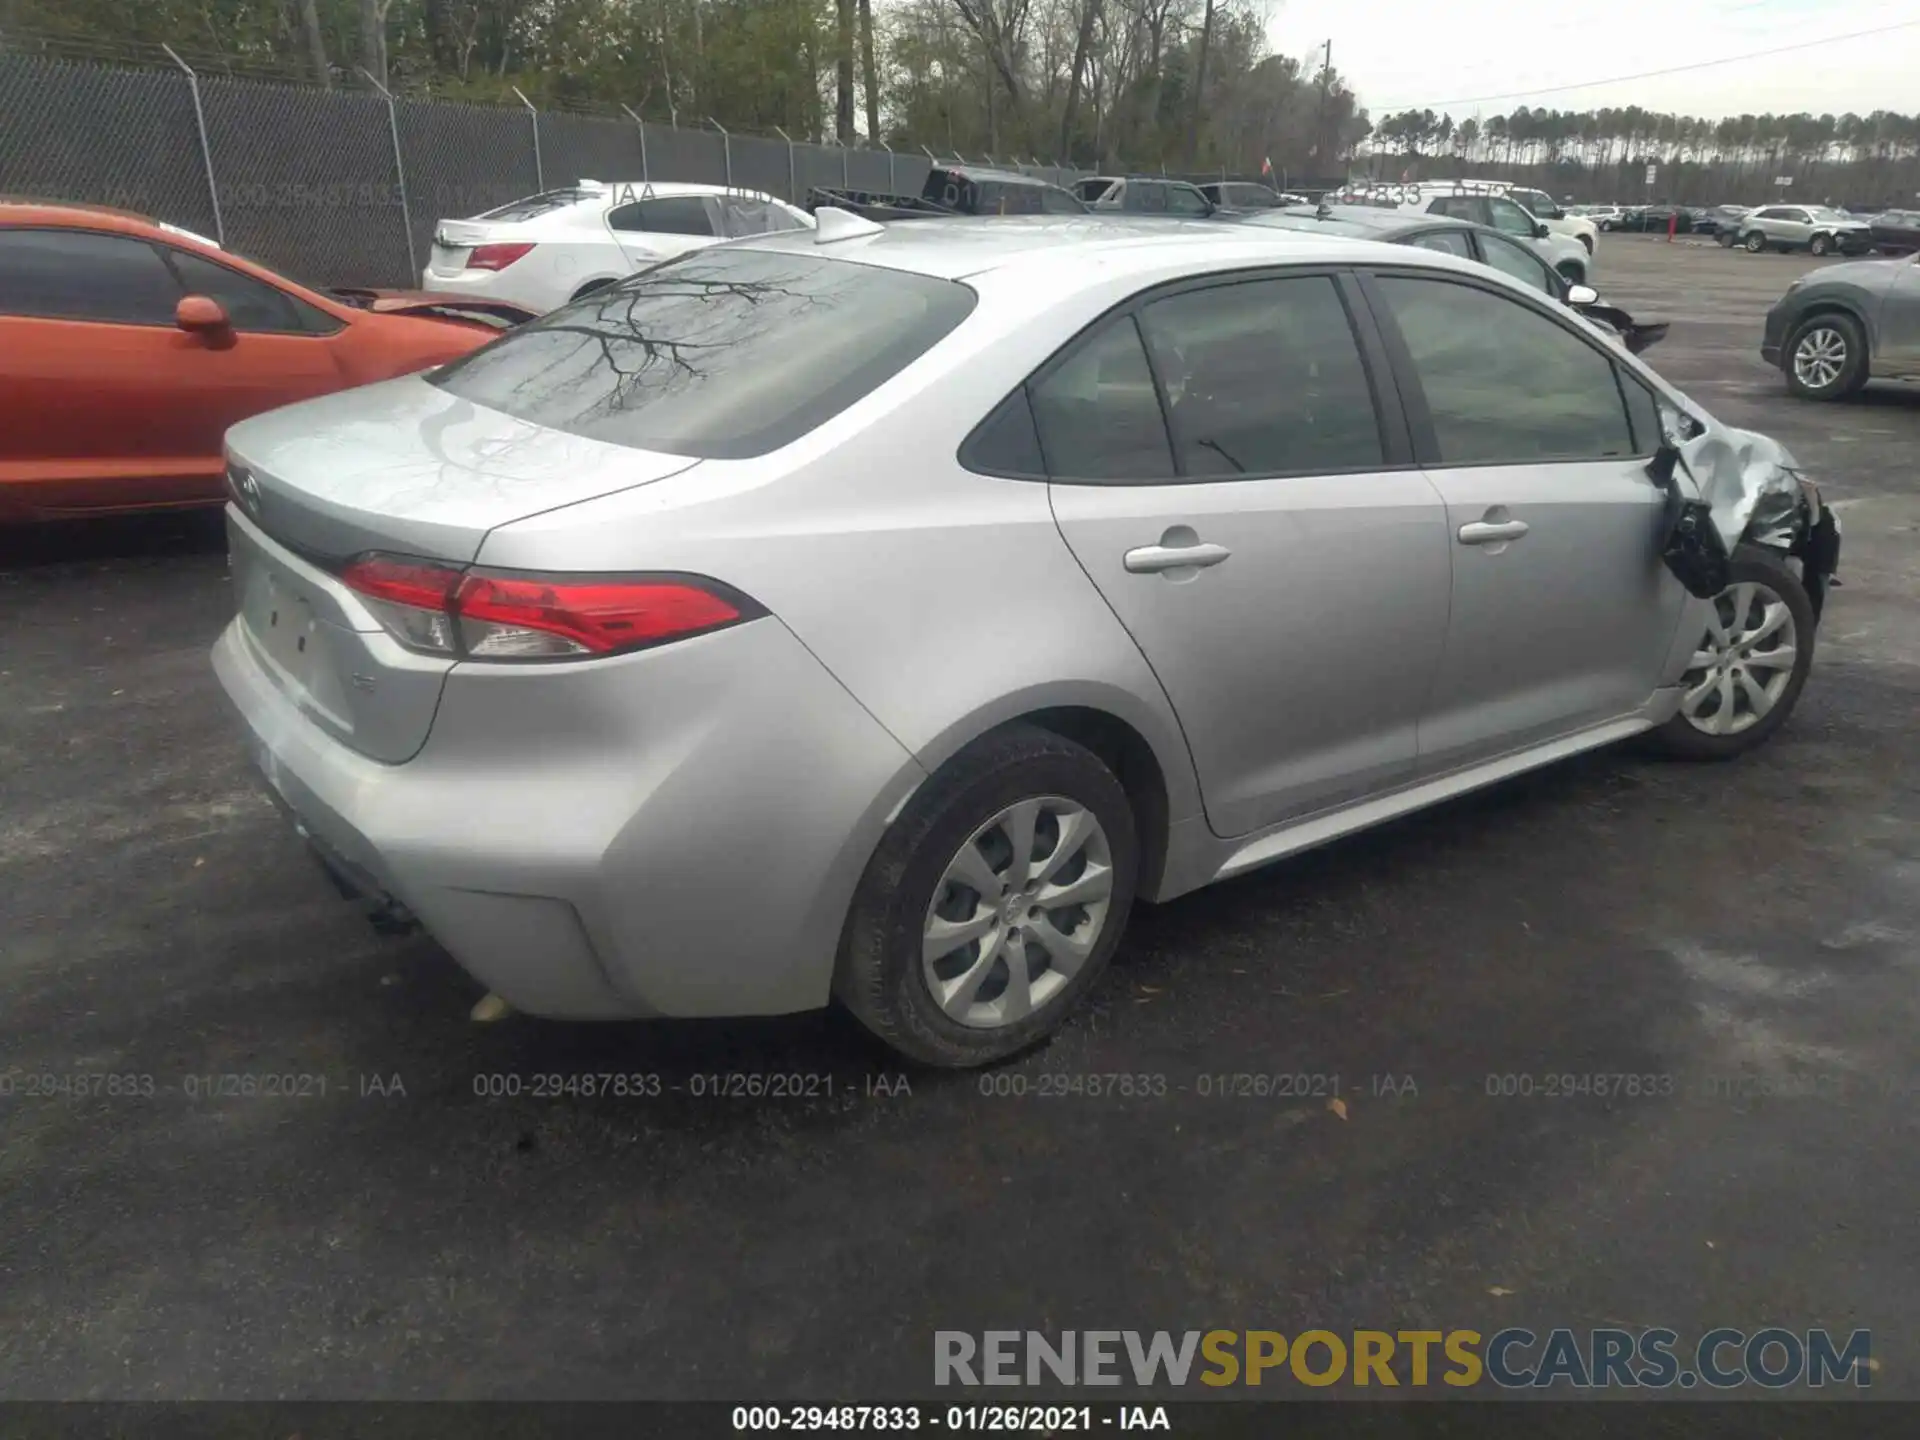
(1185,85)
(1601,155)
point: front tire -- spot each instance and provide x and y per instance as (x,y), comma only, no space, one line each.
(1572,271)
(1755,242)
(1586,242)
(993,903)
(1819,245)
(1825,357)
(1750,665)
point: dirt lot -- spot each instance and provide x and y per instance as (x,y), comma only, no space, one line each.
(1739,929)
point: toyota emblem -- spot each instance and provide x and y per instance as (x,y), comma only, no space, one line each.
(250,492)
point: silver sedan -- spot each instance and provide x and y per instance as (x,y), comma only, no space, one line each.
(878,613)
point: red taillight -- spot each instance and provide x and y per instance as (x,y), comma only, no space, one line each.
(495,257)
(504,615)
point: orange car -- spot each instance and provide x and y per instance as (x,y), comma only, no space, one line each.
(127,348)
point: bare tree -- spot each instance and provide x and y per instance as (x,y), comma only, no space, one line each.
(843,72)
(871,72)
(316,43)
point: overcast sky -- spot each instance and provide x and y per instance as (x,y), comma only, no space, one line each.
(1402,54)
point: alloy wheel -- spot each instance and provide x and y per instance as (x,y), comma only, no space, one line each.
(1744,663)
(1018,911)
(1819,357)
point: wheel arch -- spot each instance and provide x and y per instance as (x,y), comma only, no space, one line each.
(1146,752)
(1834,305)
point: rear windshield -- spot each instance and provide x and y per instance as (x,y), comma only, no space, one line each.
(722,354)
(534,205)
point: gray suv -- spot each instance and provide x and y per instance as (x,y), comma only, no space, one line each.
(1813,228)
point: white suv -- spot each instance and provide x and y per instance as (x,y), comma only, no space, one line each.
(1485,202)
(547,249)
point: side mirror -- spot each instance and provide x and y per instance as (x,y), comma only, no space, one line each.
(1540,231)
(205,318)
(1583,295)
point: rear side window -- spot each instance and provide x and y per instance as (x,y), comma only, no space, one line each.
(1264,377)
(723,354)
(1098,413)
(755,217)
(664,215)
(532,206)
(85,275)
(1461,207)
(1447,242)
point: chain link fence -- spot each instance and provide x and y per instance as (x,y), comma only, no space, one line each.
(344,186)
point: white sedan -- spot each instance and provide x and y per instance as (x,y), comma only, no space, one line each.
(547,249)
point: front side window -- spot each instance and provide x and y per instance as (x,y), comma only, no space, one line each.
(1519,262)
(1058,202)
(1504,383)
(1263,377)
(755,217)
(664,215)
(722,354)
(1098,413)
(1183,201)
(85,275)
(1509,218)
(251,305)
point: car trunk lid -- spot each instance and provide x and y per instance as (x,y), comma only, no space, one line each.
(407,468)
(400,468)
(454,241)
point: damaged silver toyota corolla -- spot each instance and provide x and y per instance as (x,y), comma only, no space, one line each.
(875,613)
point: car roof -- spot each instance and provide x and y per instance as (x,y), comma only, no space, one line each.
(21,211)
(660,189)
(1005,177)
(1360,221)
(959,248)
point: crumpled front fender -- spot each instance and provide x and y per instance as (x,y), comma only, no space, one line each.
(1736,471)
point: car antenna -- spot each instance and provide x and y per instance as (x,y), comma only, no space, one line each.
(831,223)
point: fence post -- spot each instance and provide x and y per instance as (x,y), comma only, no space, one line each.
(793,179)
(726,149)
(206,150)
(641,126)
(400,173)
(539,170)
(846,180)
(892,186)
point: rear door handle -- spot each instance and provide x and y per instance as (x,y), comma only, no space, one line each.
(1152,559)
(1482,532)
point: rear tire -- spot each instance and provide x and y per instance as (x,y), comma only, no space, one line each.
(1734,669)
(1825,357)
(589,288)
(1755,242)
(949,866)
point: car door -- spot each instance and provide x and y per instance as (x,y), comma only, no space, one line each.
(1247,504)
(1899,324)
(1794,227)
(1562,614)
(282,350)
(659,227)
(87,342)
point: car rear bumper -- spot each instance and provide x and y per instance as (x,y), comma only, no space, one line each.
(675,832)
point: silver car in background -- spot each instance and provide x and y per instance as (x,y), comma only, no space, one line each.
(1813,228)
(878,612)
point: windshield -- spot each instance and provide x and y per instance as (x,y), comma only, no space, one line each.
(1822,212)
(724,354)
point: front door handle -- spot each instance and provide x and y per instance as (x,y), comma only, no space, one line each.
(1153,559)
(1482,532)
